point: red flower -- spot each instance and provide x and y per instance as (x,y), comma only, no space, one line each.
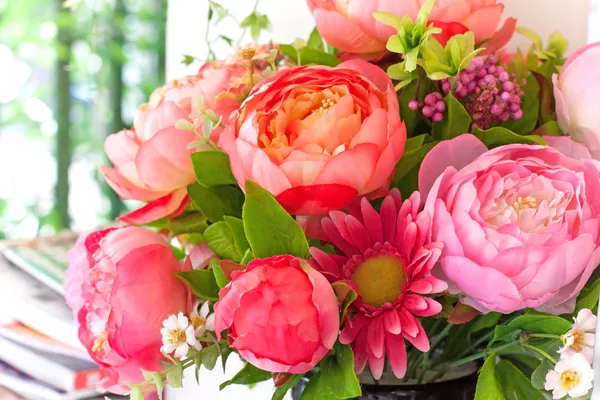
(387,258)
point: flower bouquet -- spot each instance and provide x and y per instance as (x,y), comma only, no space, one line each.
(395,202)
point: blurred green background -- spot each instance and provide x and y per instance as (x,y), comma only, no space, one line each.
(71,73)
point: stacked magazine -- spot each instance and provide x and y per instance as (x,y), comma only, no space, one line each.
(40,355)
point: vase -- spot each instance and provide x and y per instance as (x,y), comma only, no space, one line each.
(457,385)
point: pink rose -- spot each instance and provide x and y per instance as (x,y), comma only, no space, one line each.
(349,25)
(575,91)
(519,223)
(121,285)
(152,160)
(281,314)
(318,137)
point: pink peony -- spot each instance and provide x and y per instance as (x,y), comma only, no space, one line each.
(281,315)
(121,286)
(387,258)
(519,223)
(152,160)
(575,91)
(349,24)
(318,137)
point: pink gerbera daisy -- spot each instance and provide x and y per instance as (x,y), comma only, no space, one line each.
(387,258)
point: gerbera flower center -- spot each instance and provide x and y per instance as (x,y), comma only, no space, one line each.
(380,280)
(569,379)
(177,336)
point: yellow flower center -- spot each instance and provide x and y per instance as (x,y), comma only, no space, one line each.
(99,342)
(578,341)
(380,280)
(524,203)
(177,336)
(569,379)
(197,322)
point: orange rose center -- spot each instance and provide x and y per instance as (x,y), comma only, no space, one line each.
(311,121)
(380,280)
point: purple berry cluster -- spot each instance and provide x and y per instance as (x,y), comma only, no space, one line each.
(433,108)
(489,93)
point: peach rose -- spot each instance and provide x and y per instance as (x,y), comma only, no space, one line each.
(152,160)
(281,314)
(318,137)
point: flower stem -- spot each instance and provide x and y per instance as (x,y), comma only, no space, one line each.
(539,351)
(543,336)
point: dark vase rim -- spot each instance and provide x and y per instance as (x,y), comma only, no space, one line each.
(459,382)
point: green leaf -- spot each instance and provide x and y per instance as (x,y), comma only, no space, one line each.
(346,295)
(248,375)
(217,201)
(534,323)
(220,239)
(309,56)
(530,104)
(499,136)
(488,388)
(550,128)
(315,41)
(538,378)
(514,384)
(256,23)
(202,283)
(589,299)
(174,376)
(212,168)
(270,230)
(546,97)
(534,37)
(411,118)
(456,121)
(486,321)
(220,277)
(188,222)
(239,235)
(410,160)
(210,355)
(248,256)
(136,394)
(281,391)
(415,143)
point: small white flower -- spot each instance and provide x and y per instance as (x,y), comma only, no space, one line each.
(581,337)
(202,321)
(571,376)
(178,336)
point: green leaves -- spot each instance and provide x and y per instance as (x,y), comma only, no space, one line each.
(486,321)
(281,391)
(499,136)
(456,122)
(202,283)
(588,298)
(538,378)
(220,239)
(411,34)
(533,322)
(336,379)
(441,63)
(217,201)
(270,230)
(309,55)
(407,169)
(514,384)
(346,296)
(175,376)
(257,23)
(248,375)
(212,168)
(488,387)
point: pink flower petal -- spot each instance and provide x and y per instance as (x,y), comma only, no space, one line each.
(157,209)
